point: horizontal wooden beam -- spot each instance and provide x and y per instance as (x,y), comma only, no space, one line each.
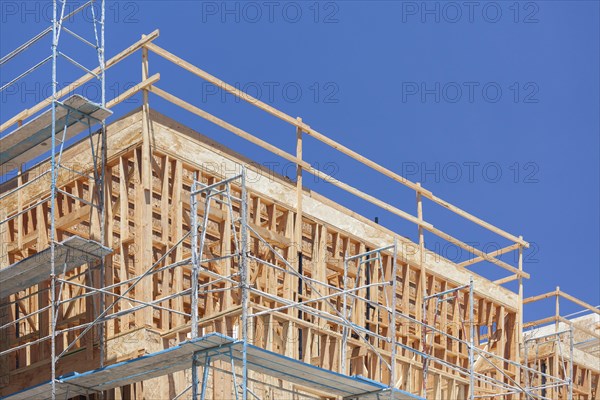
(132,91)
(579,302)
(223,85)
(226,125)
(417,188)
(540,322)
(496,253)
(479,221)
(330,142)
(394,210)
(478,252)
(564,295)
(509,278)
(540,297)
(267,146)
(330,179)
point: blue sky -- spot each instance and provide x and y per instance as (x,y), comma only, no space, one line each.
(493,106)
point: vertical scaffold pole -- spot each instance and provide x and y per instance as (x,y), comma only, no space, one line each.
(345,314)
(53,308)
(194,376)
(393,321)
(101,54)
(195,261)
(571,346)
(205,377)
(519,328)
(526,364)
(103,156)
(244,282)
(471,342)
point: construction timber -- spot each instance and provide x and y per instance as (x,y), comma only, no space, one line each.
(236,282)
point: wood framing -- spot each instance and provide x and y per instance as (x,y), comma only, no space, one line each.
(404,319)
(148,180)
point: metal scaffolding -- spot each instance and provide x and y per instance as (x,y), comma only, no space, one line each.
(368,276)
(562,361)
(550,345)
(339,303)
(220,193)
(449,295)
(338,312)
(65,119)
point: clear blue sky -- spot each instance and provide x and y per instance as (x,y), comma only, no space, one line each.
(494,106)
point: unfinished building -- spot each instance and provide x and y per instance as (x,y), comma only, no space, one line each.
(133,268)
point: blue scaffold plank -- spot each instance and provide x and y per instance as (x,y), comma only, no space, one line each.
(33,139)
(218,347)
(70,253)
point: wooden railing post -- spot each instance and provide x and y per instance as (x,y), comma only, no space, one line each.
(555,364)
(519,327)
(144,202)
(298,225)
(422,292)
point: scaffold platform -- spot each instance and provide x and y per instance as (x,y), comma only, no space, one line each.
(33,139)
(217,347)
(69,254)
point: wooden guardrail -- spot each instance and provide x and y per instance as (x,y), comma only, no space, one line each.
(558,294)
(148,85)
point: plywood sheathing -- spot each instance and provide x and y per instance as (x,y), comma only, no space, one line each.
(182,142)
